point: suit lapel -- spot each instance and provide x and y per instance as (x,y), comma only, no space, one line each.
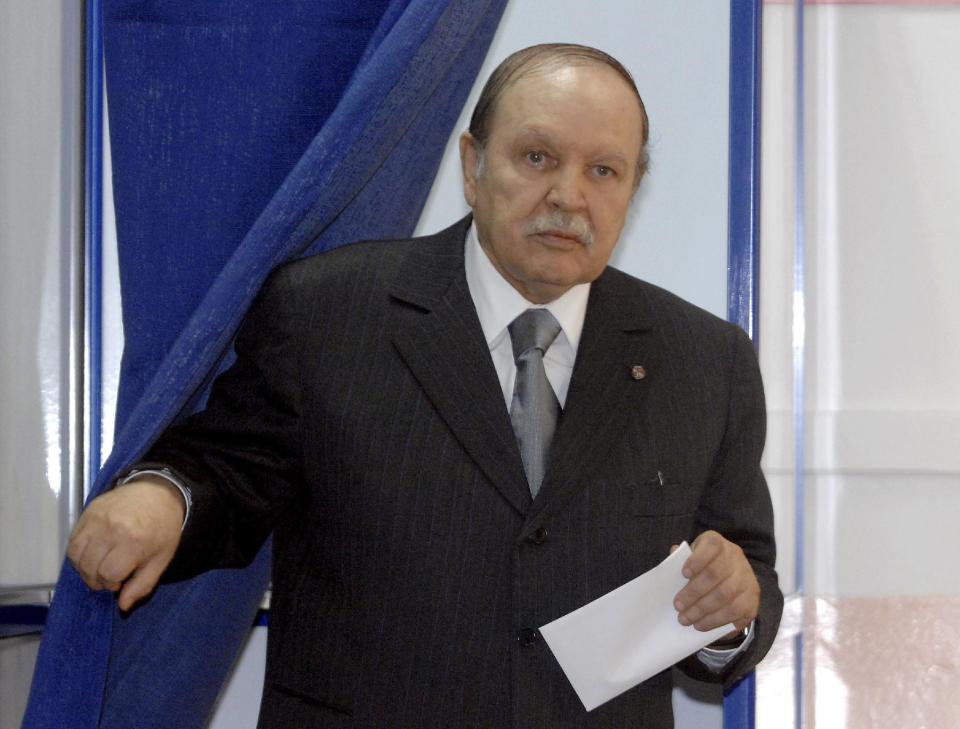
(441,342)
(604,391)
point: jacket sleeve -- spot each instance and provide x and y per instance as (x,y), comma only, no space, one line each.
(737,504)
(240,456)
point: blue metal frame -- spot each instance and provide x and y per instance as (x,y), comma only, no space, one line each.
(739,704)
(743,290)
(743,270)
(93,237)
(18,620)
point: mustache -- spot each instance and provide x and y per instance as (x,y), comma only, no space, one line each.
(557,221)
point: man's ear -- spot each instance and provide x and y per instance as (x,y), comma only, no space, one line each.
(469,156)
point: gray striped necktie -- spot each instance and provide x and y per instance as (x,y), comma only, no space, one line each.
(534,409)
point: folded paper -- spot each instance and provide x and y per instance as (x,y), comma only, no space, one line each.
(628,635)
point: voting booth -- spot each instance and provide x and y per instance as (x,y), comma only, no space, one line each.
(802,184)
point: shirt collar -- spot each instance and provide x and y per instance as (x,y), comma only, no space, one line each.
(498,303)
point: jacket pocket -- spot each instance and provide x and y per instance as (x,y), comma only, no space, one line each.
(287,706)
(661,495)
(309,698)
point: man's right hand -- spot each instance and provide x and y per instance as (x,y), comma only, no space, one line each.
(127,536)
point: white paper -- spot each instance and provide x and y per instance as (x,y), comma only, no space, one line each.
(628,635)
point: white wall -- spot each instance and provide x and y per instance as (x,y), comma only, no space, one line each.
(883,399)
(882,329)
(885,315)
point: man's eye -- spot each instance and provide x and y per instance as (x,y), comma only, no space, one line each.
(604,171)
(536,158)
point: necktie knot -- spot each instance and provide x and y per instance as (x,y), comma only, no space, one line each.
(534,328)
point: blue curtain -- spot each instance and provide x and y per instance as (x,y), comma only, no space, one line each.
(244,134)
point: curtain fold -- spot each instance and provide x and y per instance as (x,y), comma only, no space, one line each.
(365,174)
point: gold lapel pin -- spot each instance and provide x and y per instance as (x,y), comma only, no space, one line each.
(638,372)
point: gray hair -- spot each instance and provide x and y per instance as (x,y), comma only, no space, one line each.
(528,60)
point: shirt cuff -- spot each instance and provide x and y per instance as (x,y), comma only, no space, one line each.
(168,476)
(716,659)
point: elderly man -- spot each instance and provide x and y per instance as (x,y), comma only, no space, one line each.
(459,438)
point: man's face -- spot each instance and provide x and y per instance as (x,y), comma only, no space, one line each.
(557,177)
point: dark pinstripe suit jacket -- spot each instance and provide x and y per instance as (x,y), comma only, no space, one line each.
(364,422)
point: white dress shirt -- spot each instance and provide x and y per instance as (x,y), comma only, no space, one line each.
(498,304)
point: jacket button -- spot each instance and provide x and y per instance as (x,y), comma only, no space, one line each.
(528,637)
(539,536)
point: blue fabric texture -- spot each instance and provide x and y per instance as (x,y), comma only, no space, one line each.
(244,134)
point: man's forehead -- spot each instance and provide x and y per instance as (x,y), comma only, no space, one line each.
(562,71)
(546,102)
(564,76)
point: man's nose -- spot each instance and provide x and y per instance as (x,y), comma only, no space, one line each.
(566,192)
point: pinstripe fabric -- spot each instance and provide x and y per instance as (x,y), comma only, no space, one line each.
(365,421)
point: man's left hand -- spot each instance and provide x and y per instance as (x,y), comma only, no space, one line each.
(721,587)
